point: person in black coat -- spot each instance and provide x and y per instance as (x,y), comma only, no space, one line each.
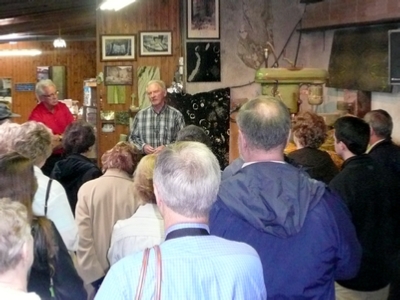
(365,188)
(76,169)
(387,154)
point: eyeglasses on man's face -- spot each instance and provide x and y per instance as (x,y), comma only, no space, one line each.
(52,95)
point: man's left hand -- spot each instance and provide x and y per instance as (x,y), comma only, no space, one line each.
(158,149)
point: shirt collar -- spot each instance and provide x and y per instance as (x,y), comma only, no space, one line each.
(373,145)
(186,225)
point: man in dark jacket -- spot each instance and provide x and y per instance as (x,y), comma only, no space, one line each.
(302,232)
(387,154)
(366,190)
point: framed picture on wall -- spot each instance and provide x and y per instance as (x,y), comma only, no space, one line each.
(118,75)
(118,47)
(203,61)
(203,19)
(155,43)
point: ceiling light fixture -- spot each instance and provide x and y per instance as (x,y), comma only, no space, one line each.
(20,52)
(115,4)
(59,42)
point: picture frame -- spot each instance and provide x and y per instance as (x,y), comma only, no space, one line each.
(118,47)
(155,43)
(203,19)
(118,75)
(203,61)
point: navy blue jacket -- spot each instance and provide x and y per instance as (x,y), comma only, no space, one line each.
(302,232)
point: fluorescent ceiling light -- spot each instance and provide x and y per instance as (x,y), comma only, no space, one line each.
(11,36)
(115,4)
(20,52)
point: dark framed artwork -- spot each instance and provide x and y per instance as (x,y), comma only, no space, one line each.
(155,43)
(118,47)
(118,75)
(203,61)
(203,19)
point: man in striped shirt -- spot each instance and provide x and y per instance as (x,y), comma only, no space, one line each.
(157,125)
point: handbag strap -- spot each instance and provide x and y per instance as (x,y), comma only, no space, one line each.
(158,272)
(47,196)
(143,272)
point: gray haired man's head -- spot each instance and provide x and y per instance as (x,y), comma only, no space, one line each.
(187,177)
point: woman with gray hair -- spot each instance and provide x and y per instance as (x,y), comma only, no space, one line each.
(16,251)
(33,140)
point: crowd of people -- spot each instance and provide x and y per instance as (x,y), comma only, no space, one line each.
(159,219)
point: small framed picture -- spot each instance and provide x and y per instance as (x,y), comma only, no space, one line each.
(155,43)
(118,47)
(203,19)
(118,75)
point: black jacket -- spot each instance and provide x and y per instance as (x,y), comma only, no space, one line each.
(66,281)
(317,163)
(72,172)
(365,188)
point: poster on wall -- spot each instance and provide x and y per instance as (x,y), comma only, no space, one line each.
(42,72)
(203,61)
(5,90)
(203,19)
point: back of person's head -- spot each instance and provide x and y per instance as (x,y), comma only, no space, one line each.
(309,129)
(123,156)
(34,142)
(41,85)
(353,132)
(8,132)
(5,113)
(264,122)
(17,179)
(78,137)
(193,133)
(381,122)
(15,235)
(143,179)
(187,177)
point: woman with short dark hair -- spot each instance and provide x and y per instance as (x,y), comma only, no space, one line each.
(73,171)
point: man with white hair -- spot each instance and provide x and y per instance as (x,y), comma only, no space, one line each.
(157,125)
(55,115)
(302,232)
(16,251)
(195,265)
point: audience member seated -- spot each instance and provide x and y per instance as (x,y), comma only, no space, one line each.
(309,133)
(301,230)
(146,227)
(33,140)
(76,169)
(101,203)
(53,274)
(16,251)
(195,265)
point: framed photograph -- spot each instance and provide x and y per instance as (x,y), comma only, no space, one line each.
(203,19)
(203,61)
(155,43)
(118,47)
(118,75)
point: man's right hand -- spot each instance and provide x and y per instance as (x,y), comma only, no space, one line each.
(148,149)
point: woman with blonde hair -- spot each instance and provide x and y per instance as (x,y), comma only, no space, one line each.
(102,202)
(34,141)
(146,227)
